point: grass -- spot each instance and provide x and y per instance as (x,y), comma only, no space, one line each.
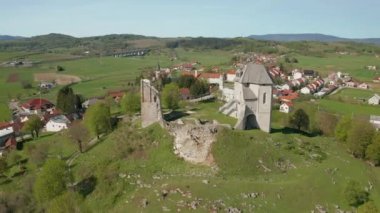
(352,95)
(210,111)
(352,64)
(99,74)
(295,173)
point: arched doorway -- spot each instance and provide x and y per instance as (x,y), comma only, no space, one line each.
(250,122)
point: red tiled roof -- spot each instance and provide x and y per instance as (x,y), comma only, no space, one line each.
(116,94)
(187,73)
(289,97)
(232,72)
(4,125)
(290,104)
(36,103)
(209,75)
(184,91)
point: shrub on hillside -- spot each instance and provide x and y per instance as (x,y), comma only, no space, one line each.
(342,128)
(299,120)
(354,194)
(359,137)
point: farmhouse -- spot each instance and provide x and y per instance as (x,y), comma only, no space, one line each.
(286,107)
(57,123)
(185,93)
(310,74)
(374,100)
(363,86)
(116,95)
(213,78)
(7,137)
(89,102)
(351,84)
(252,101)
(46,85)
(37,106)
(376,79)
(296,74)
(375,121)
(307,90)
(230,76)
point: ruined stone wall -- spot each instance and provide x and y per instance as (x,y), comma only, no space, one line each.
(193,141)
(150,105)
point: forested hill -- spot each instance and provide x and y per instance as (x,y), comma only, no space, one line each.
(109,44)
(311,37)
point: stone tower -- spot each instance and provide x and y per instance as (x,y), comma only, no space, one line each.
(252,103)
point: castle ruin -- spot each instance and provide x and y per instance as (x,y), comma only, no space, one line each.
(150,104)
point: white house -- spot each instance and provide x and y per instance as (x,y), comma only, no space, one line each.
(363,86)
(285,87)
(230,76)
(375,121)
(213,78)
(57,123)
(305,90)
(285,107)
(374,100)
(297,74)
(89,102)
(6,129)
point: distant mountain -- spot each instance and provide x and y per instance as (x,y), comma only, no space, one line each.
(9,38)
(311,37)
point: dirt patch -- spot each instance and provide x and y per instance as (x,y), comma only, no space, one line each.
(59,79)
(13,77)
(193,141)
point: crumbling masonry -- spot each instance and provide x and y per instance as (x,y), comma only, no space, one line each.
(150,105)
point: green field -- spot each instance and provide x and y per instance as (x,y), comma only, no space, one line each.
(293,172)
(99,74)
(290,172)
(352,64)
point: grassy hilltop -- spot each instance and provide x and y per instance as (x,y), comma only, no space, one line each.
(135,170)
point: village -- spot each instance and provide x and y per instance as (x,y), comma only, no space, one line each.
(286,88)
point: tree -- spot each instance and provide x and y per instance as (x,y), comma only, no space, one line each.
(78,132)
(171,96)
(354,195)
(299,120)
(51,181)
(37,153)
(14,158)
(59,68)
(342,128)
(66,202)
(373,150)
(33,125)
(327,123)
(3,166)
(199,88)
(368,207)
(186,81)
(131,103)
(67,100)
(98,119)
(359,137)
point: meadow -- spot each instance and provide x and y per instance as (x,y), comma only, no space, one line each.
(98,74)
(289,172)
(352,64)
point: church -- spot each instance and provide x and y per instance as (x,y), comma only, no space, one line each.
(252,101)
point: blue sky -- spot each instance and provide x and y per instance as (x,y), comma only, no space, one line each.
(172,18)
